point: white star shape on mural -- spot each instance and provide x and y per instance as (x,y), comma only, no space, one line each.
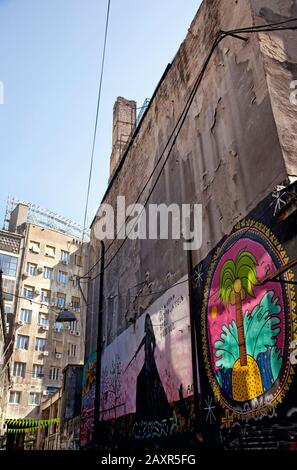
(198,276)
(279,201)
(209,408)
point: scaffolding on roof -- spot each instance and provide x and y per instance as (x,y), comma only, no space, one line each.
(46,218)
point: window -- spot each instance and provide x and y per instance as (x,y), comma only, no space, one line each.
(26,315)
(75,281)
(58,326)
(58,347)
(45,295)
(8,308)
(75,325)
(34,398)
(64,256)
(61,300)
(50,251)
(8,296)
(62,277)
(39,344)
(72,350)
(34,247)
(22,342)
(29,292)
(19,369)
(75,303)
(31,269)
(14,398)
(9,288)
(54,373)
(42,319)
(37,371)
(47,273)
(78,260)
(8,264)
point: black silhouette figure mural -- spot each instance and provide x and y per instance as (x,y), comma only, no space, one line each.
(151,400)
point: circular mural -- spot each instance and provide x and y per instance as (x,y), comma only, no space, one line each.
(247,325)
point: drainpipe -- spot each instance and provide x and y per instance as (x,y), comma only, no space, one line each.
(99,350)
(193,324)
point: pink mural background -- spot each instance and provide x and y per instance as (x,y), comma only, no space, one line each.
(224,315)
(171,324)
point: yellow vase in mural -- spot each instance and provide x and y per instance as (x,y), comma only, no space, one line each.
(246,380)
(236,280)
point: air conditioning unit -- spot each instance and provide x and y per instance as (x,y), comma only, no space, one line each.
(72,332)
(32,250)
(45,353)
(77,333)
(20,322)
(67,327)
(40,269)
(58,355)
(45,392)
(25,275)
(44,327)
(57,329)
(64,262)
(36,292)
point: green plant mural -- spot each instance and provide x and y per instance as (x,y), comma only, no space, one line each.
(246,321)
(261,329)
(237,279)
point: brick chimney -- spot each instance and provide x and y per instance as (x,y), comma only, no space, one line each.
(124,119)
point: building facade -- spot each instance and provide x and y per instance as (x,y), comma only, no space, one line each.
(51,263)
(66,406)
(11,247)
(169,316)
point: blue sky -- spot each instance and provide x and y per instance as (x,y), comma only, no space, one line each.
(50,55)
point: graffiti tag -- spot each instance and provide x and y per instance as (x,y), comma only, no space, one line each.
(150,429)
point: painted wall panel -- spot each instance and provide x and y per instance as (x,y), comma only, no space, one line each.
(88,400)
(247,323)
(147,369)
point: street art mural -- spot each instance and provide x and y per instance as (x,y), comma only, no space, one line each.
(88,399)
(146,372)
(248,322)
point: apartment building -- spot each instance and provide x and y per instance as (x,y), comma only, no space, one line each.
(10,262)
(10,256)
(52,261)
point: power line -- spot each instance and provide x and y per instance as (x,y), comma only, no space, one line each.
(180,120)
(123,294)
(221,35)
(189,101)
(97,115)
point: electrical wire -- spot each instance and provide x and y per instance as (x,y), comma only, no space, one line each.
(123,294)
(221,35)
(175,133)
(189,100)
(180,121)
(97,116)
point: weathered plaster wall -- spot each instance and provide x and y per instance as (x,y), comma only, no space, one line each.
(228,155)
(279,54)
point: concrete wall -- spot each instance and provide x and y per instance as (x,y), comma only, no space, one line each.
(222,158)
(236,145)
